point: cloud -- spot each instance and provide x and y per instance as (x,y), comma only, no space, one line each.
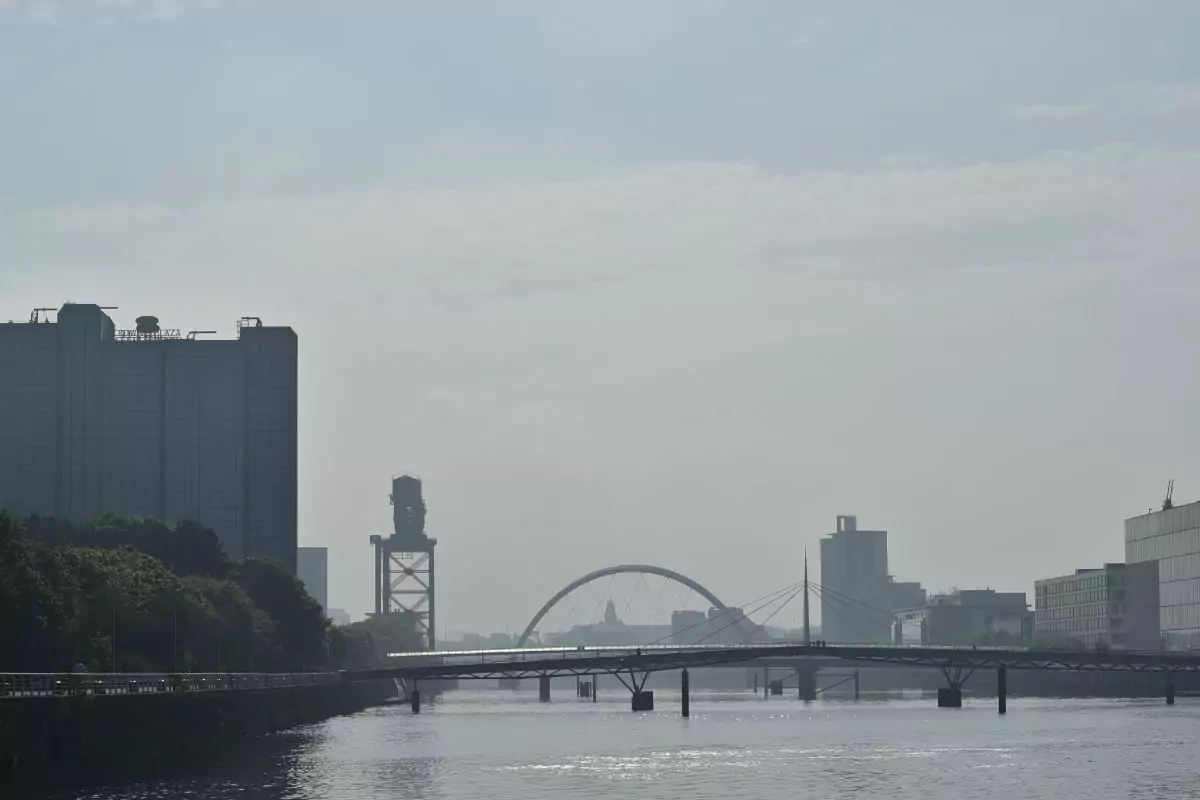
(1128,99)
(1071,111)
(1113,207)
(54,11)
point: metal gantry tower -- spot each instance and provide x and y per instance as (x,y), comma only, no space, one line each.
(404,561)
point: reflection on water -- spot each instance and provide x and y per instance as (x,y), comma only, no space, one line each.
(500,745)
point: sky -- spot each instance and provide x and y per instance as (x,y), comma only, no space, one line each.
(658,282)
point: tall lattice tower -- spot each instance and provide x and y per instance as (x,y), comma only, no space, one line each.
(404,565)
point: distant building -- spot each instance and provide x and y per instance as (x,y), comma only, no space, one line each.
(152,422)
(338,616)
(856,600)
(1115,607)
(1172,538)
(688,627)
(907,595)
(312,567)
(968,616)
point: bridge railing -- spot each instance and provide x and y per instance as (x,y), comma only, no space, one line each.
(33,684)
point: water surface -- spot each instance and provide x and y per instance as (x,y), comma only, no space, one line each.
(501,746)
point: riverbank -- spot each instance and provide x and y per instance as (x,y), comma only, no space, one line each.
(87,738)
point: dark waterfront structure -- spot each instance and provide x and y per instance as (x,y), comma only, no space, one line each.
(152,422)
(404,561)
(73,729)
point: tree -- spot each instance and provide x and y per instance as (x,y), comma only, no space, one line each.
(300,629)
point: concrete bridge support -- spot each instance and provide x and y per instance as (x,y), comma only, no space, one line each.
(544,688)
(806,680)
(684,686)
(1002,689)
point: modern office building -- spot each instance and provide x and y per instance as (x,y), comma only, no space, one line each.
(856,590)
(1172,538)
(965,616)
(152,422)
(312,567)
(1115,606)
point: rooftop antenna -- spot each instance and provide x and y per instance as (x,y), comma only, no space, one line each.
(1167,502)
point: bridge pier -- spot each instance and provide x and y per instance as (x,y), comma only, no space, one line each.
(856,682)
(951,697)
(1170,689)
(1002,689)
(414,698)
(595,685)
(766,682)
(806,682)
(544,688)
(684,690)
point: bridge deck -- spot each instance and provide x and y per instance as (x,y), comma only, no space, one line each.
(555,661)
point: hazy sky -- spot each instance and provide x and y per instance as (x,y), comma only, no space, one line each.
(668,282)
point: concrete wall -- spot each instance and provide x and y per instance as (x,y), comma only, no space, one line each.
(271,443)
(28,418)
(204,455)
(1142,623)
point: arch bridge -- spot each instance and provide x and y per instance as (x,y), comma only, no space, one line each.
(744,627)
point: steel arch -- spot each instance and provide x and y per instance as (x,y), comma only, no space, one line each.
(619,569)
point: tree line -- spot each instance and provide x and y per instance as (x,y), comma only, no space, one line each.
(121,594)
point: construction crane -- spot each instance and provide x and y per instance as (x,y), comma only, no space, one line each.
(1167,502)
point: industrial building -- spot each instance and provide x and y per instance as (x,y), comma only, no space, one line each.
(1115,606)
(152,422)
(1172,538)
(312,567)
(858,596)
(967,616)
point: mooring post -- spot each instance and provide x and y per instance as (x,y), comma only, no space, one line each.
(1170,689)
(683,686)
(1002,689)
(544,688)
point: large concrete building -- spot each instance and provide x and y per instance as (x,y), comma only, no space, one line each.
(1115,606)
(152,422)
(1172,538)
(966,616)
(312,567)
(856,590)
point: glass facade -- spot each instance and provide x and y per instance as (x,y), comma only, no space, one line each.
(1172,538)
(1087,607)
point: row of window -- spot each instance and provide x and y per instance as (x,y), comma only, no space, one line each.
(1157,547)
(1074,599)
(1091,624)
(1074,585)
(1078,612)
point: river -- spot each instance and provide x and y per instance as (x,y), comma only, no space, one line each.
(504,746)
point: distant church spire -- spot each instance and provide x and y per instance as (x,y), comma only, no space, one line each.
(610,613)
